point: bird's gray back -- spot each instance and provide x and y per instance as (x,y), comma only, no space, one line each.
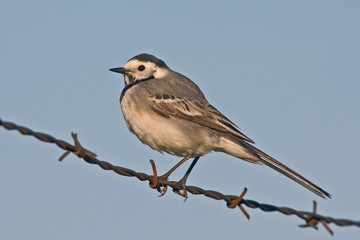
(177,85)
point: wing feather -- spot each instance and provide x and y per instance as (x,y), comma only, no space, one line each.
(191,110)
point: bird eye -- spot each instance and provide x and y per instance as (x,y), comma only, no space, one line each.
(141,68)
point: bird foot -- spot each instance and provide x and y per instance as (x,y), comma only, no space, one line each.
(158,182)
(182,192)
(162,188)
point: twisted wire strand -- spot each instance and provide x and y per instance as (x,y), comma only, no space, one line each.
(312,218)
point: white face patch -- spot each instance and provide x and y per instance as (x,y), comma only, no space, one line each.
(133,67)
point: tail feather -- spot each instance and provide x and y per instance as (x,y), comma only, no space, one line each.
(273,163)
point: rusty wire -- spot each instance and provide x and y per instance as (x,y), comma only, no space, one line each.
(311,218)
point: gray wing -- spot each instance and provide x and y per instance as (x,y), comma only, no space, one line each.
(200,112)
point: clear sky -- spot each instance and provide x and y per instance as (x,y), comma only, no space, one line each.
(286,72)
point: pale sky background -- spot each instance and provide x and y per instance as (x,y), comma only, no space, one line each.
(286,72)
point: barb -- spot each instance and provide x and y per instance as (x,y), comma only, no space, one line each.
(312,222)
(79,150)
(311,218)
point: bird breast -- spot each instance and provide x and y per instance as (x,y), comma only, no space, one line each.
(178,137)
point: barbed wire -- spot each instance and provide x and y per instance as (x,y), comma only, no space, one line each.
(312,219)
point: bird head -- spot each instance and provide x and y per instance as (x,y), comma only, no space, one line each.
(142,67)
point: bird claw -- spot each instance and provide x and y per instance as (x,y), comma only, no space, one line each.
(162,190)
(182,192)
(160,183)
(157,181)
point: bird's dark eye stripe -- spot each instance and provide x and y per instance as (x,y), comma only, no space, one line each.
(141,68)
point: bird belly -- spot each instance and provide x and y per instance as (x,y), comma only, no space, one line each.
(169,134)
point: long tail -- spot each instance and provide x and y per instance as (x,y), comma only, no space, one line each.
(245,151)
(278,166)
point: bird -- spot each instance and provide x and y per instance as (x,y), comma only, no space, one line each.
(168,112)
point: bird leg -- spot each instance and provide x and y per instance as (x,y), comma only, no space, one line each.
(184,178)
(166,175)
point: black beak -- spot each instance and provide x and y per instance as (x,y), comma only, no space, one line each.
(118,70)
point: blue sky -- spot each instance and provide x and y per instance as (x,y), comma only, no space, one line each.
(287,73)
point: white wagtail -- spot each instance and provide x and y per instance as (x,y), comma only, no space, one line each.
(169,112)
